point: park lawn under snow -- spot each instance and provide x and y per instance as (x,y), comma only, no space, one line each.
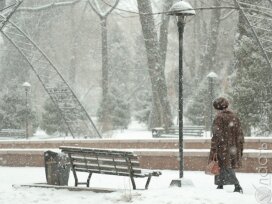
(203,191)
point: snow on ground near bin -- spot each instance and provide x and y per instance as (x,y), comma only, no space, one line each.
(203,191)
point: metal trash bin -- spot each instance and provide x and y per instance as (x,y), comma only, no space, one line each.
(57,168)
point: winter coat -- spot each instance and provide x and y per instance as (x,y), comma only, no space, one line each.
(227,140)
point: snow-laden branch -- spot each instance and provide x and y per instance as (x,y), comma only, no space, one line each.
(8,7)
(96,8)
(255,33)
(112,8)
(48,6)
(169,12)
(254,5)
(227,15)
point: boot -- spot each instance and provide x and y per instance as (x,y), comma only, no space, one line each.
(238,188)
(219,187)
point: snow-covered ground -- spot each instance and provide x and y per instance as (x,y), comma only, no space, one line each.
(135,131)
(203,191)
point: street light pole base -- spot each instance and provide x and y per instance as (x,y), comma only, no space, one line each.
(181,182)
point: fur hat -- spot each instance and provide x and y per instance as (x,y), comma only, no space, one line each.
(220,103)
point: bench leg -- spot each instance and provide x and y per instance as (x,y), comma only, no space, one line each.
(88,180)
(148,181)
(76,179)
(75,176)
(133,182)
(73,170)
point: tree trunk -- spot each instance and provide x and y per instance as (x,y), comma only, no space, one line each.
(106,123)
(163,40)
(160,114)
(2,4)
(72,68)
(105,64)
(196,36)
(209,59)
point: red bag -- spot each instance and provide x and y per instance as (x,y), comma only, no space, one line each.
(213,167)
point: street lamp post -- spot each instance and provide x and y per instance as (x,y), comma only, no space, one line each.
(211,77)
(27,86)
(181,10)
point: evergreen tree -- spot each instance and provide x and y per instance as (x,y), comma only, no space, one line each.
(142,95)
(199,108)
(252,87)
(143,107)
(252,80)
(52,121)
(120,62)
(116,109)
(13,111)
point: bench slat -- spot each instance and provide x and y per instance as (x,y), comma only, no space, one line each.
(111,173)
(105,168)
(100,153)
(89,150)
(104,161)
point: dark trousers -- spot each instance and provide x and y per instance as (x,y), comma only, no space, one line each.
(227,176)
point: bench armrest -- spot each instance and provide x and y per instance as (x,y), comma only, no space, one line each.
(156,173)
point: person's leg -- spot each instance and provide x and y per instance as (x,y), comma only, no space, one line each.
(219,179)
(219,187)
(237,187)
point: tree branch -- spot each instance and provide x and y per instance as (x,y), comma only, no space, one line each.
(8,7)
(226,15)
(99,11)
(112,8)
(47,6)
(96,8)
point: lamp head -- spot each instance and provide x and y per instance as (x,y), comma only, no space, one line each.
(182,8)
(212,75)
(26,85)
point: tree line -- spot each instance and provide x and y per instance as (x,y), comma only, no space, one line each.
(125,67)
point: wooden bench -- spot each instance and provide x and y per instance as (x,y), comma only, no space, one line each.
(102,161)
(16,133)
(194,131)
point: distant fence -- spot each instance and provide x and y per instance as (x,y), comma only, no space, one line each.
(13,133)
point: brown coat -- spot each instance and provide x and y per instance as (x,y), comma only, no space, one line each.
(227,140)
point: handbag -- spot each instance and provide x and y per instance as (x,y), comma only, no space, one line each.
(213,167)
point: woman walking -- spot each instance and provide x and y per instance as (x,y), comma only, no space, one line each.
(227,144)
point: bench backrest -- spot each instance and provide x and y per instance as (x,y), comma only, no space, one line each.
(102,161)
(197,131)
(12,133)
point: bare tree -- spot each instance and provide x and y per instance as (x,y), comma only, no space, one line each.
(163,37)
(75,34)
(103,15)
(209,59)
(161,113)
